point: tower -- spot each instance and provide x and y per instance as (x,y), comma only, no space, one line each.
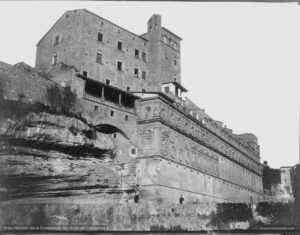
(164,54)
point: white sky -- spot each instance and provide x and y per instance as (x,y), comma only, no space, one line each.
(240,61)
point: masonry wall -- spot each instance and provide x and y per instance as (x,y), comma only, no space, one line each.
(173,159)
(19,81)
(163,53)
(108,113)
(170,180)
(78,46)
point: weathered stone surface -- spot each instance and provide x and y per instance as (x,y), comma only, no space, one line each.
(50,156)
(113,217)
(55,129)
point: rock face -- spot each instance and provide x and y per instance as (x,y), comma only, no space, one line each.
(110,217)
(50,156)
(57,170)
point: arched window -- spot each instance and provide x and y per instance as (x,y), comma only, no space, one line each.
(165,39)
(175,46)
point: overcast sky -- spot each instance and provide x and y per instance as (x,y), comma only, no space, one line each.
(240,61)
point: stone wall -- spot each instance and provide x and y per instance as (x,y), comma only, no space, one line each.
(78,46)
(21,81)
(174,152)
(162,67)
(152,109)
(108,217)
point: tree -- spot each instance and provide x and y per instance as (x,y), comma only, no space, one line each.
(278,212)
(231,212)
(270,177)
(61,99)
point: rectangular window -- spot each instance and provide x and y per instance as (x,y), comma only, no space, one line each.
(56,40)
(119,66)
(107,81)
(137,53)
(99,58)
(55,59)
(144,56)
(136,72)
(100,37)
(128,89)
(126,117)
(175,62)
(167,89)
(120,46)
(112,113)
(84,73)
(133,151)
(143,75)
(95,108)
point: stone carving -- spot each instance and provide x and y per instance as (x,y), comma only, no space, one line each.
(179,121)
(164,142)
(147,141)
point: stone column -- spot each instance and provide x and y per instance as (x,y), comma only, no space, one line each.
(102,93)
(120,99)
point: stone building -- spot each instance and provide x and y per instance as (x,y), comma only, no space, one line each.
(286,179)
(131,84)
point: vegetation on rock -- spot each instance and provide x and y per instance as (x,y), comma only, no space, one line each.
(61,99)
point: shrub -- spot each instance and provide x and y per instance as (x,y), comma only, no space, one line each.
(61,99)
(277,212)
(270,177)
(231,212)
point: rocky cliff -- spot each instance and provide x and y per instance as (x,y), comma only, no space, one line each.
(49,156)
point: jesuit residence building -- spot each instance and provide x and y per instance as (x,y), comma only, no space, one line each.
(132,84)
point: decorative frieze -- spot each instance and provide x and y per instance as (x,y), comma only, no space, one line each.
(157,109)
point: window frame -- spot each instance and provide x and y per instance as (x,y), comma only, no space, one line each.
(136,72)
(120,46)
(100,33)
(120,68)
(97,58)
(144,75)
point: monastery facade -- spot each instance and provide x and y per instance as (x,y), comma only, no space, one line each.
(131,85)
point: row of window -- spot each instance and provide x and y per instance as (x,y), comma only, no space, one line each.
(170,42)
(137,53)
(112,113)
(136,71)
